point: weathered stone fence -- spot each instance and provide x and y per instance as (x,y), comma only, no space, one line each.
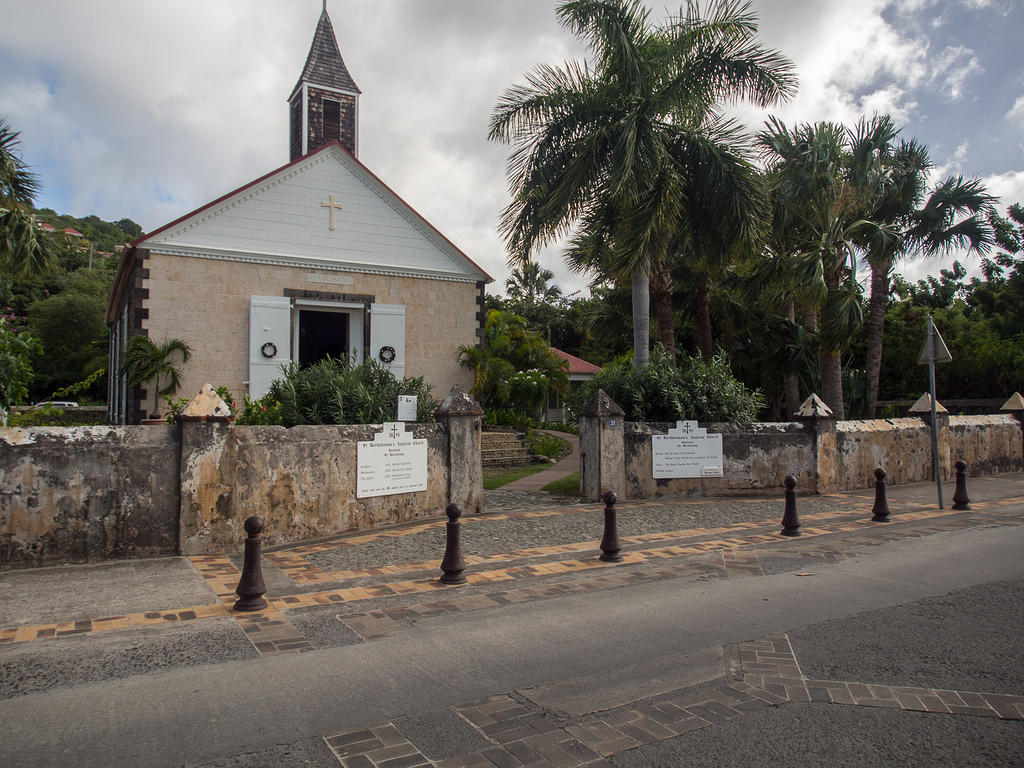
(93,493)
(823,454)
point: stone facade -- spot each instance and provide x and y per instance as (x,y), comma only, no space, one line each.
(206,301)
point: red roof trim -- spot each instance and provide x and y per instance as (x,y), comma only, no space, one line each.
(576,364)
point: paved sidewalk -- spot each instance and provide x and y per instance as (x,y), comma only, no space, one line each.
(73,632)
(521,540)
(565,467)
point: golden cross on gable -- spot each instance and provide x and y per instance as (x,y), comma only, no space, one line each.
(332,205)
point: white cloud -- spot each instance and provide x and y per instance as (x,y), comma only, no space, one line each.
(1016,113)
(148,110)
(952,68)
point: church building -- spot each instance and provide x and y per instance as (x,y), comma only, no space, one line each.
(317,258)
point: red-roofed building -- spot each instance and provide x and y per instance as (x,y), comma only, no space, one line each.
(46,227)
(579,371)
(73,232)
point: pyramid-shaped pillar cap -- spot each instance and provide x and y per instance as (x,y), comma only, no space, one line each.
(1015,403)
(924,405)
(602,405)
(814,408)
(206,406)
(459,402)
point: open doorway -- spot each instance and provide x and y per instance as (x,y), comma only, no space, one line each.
(323,334)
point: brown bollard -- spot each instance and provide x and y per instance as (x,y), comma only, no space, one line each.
(250,589)
(960,500)
(453,565)
(610,547)
(880,512)
(790,519)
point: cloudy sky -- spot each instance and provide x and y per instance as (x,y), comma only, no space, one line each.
(151,109)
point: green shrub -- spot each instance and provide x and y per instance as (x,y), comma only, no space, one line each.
(332,391)
(548,446)
(507,417)
(665,390)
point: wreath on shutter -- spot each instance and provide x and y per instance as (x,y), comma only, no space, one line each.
(387,354)
(269,349)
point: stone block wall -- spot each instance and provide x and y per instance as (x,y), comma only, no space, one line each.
(902,447)
(301,481)
(756,459)
(87,493)
(824,455)
(74,494)
(990,444)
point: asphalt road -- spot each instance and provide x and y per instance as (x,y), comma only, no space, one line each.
(942,610)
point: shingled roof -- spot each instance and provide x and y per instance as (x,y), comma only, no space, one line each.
(324,65)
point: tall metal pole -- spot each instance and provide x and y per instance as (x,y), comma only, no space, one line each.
(935,424)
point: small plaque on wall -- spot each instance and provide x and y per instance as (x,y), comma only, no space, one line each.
(686,451)
(393,462)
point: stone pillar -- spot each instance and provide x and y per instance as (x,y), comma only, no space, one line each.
(602,449)
(821,426)
(1015,406)
(462,418)
(206,523)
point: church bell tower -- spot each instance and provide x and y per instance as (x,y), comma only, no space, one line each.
(324,104)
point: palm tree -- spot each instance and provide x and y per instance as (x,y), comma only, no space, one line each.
(828,178)
(529,283)
(144,360)
(618,151)
(956,214)
(21,250)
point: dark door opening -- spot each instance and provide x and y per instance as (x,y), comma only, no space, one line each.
(322,334)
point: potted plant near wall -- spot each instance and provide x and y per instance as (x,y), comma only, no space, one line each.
(145,360)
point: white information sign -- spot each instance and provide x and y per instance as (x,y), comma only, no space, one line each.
(393,462)
(407,407)
(686,451)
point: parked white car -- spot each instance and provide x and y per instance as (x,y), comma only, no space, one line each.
(56,404)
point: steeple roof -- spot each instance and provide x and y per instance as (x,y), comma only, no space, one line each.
(324,65)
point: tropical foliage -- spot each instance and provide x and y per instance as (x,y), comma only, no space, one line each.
(333,391)
(145,360)
(667,389)
(16,349)
(514,368)
(628,154)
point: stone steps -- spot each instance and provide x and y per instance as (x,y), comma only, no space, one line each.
(503,449)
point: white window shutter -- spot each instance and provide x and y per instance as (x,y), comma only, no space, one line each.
(387,333)
(270,324)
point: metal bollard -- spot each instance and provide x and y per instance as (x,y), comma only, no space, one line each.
(880,512)
(453,565)
(250,589)
(610,547)
(790,519)
(960,500)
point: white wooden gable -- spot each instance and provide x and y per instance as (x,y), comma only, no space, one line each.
(283,219)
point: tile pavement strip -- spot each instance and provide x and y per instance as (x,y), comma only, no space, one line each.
(271,633)
(739,553)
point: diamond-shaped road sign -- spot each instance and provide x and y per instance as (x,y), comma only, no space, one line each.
(941,350)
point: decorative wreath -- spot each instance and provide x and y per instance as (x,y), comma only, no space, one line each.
(386,354)
(269,349)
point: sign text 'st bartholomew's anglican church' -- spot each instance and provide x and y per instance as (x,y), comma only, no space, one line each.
(393,462)
(686,451)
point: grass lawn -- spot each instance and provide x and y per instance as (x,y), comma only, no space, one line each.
(567,486)
(495,478)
